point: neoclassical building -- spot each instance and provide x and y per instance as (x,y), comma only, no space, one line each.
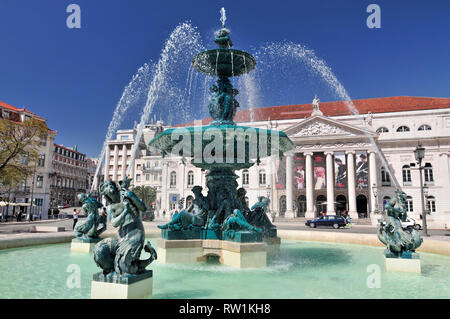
(348,156)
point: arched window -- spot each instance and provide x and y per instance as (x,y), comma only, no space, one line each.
(406,173)
(262,177)
(382,130)
(403,128)
(173,179)
(428,173)
(431,204)
(424,127)
(245,177)
(385,178)
(190,179)
(409,204)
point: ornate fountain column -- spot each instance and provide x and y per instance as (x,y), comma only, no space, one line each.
(373,179)
(330,184)
(289,184)
(309,187)
(351,185)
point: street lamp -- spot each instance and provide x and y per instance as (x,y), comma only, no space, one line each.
(419,153)
(375,194)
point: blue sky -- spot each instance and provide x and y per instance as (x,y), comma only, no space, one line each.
(74,77)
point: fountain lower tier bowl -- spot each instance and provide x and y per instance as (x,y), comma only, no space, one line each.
(224,62)
(222,146)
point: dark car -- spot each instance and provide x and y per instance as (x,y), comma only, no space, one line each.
(330,221)
(148,216)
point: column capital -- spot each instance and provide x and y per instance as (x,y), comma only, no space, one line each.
(308,153)
(350,152)
(371,151)
(329,153)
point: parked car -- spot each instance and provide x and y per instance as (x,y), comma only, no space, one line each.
(329,220)
(411,222)
(148,216)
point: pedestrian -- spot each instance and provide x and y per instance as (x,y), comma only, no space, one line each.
(164,214)
(1,216)
(75,218)
(38,216)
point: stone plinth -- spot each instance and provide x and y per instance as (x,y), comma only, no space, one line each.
(244,255)
(83,246)
(133,287)
(179,251)
(273,246)
(233,254)
(411,265)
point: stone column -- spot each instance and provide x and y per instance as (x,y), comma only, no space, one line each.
(164,188)
(289,184)
(373,180)
(309,187)
(107,157)
(124,161)
(330,184)
(351,185)
(116,161)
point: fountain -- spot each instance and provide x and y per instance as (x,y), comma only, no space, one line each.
(231,230)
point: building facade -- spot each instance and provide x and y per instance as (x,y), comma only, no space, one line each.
(33,195)
(343,160)
(69,176)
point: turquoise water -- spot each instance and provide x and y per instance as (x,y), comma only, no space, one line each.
(304,270)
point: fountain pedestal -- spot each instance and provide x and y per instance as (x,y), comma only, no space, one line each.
(399,264)
(230,253)
(133,287)
(83,246)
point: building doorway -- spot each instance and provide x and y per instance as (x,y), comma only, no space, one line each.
(341,204)
(301,206)
(321,205)
(361,206)
(282,205)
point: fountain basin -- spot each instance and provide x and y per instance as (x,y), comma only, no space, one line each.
(240,146)
(224,62)
(303,270)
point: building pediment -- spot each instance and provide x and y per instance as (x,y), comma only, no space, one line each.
(320,126)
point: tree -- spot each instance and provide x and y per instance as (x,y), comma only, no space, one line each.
(19,145)
(146,194)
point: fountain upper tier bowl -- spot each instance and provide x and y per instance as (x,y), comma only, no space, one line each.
(224,62)
(240,146)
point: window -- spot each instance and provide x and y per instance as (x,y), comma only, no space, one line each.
(155,177)
(124,137)
(409,204)
(41,160)
(262,177)
(385,178)
(424,127)
(245,177)
(39,181)
(190,178)
(138,178)
(6,114)
(431,204)
(43,140)
(382,130)
(403,128)
(147,177)
(173,179)
(406,173)
(428,172)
